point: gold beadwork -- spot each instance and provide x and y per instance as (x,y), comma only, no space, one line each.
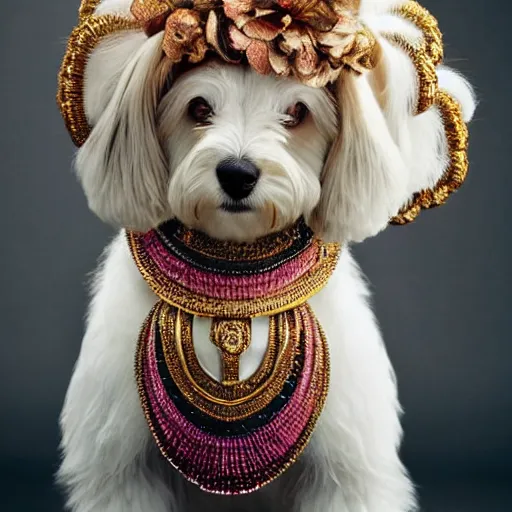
(83,40)
(295,294)
(457,138)
(233,338)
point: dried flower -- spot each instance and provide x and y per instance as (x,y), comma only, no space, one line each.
(312,40)
(184,35)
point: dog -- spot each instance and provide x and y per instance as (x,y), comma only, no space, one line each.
(239,155)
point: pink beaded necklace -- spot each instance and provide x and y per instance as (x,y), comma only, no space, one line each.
(233,436)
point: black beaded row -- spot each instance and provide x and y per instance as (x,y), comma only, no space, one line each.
(169,235)
(228,428)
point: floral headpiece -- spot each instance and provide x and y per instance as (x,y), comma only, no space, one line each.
(312,40)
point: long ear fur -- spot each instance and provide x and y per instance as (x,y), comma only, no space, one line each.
(364,176)
(384,153)
(104,69)
(122,166)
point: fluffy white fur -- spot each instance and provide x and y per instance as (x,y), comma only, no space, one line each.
(359,156)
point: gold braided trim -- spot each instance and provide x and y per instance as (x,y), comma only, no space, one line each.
(83,40)
(421,17)
(224,407)
(87,8)
(457,138)
(294,295)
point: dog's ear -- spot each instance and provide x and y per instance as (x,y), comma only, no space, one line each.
(122,166)
(363,182)
(391,148)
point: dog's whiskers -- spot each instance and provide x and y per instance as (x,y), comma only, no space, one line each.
(274,216)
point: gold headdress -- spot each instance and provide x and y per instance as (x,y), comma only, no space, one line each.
(313,41)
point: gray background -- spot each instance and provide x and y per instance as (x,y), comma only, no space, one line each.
(442,285)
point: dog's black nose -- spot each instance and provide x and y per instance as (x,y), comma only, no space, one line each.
(237,177)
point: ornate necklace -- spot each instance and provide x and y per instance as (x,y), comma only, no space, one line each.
(232,436)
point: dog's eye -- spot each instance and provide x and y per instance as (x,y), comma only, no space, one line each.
(296,115)
(200,111)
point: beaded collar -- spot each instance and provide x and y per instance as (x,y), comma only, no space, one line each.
(233,436)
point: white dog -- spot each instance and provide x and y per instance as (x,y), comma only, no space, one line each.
(344,158)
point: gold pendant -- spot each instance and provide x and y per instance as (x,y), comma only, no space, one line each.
(232,338)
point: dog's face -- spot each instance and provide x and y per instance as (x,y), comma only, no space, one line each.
(245,151)
(235,153)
